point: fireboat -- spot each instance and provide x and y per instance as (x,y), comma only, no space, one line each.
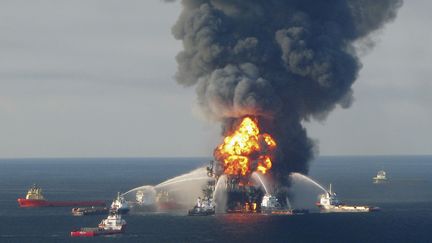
(119,205)
(34,198)
(113,224)
(203,207)
(330,203)
(206,205)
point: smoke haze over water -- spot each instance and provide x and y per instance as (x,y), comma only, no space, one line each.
(283,61)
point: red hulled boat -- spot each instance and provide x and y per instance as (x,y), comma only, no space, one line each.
(34,198)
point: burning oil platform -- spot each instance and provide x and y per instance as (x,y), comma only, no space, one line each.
(242,153)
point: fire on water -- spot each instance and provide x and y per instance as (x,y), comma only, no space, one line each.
(246,149)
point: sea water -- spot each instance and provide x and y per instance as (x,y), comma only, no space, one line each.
(406,202)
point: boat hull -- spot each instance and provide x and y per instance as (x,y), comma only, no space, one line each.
(285,212)
(348,209)
(83,234)
(94,232)
(89,211)
(33,203)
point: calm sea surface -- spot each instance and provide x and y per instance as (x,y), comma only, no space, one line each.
(406,202)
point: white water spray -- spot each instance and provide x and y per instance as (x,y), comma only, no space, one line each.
(182,190)
(220,194)
(257,176)
(288,203)
(197,173)
(164,184)
(145,187)
(220,182)
(302,177)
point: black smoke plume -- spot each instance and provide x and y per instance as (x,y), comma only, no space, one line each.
(282,61)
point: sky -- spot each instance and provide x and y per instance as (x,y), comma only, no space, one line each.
(96,79)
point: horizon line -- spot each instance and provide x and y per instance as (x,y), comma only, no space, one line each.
(194,157)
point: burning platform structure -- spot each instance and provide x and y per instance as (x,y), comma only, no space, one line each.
(244,151)
(243,196)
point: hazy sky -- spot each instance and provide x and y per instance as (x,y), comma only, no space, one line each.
(90,78)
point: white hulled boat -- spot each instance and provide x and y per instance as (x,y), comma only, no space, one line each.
(119,205)
(330,203)
(113,224)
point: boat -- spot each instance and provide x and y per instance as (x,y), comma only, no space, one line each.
(34,198)
(119,205)
(203,207)
(113,224)
(330,203)
(380,177)
(89,211)
(270,205)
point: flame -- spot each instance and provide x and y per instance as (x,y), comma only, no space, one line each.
(246,150)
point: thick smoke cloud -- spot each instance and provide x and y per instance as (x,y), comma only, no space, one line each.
(284,61)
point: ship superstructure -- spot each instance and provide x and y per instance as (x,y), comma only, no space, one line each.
(119,205)
(35,193)
(205,206)
(113,224)
(269,203)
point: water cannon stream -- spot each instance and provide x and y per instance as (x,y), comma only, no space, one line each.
(257,176)
(302,177)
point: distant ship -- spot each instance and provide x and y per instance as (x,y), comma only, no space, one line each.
(119,205)
(113,224)
(330,203)
(380,177)
(34,198)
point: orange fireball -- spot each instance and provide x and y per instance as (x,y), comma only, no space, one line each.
(246,150)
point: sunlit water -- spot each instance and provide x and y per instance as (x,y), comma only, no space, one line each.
(406,201)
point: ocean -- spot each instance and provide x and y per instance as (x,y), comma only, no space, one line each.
(406,202)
